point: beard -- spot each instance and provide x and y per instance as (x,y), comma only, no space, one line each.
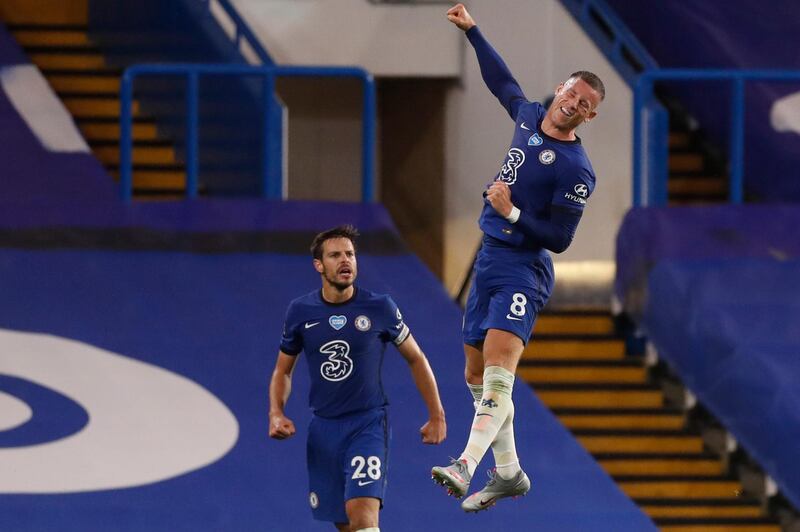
(341,286)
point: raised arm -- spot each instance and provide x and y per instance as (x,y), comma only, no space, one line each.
(280,386)
(434,431)
(496,75)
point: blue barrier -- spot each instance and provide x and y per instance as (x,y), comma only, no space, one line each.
(243,31)
(643,95)
(270,188)
(221,335)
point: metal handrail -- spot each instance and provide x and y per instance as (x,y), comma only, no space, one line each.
(268,73)
(643,93)
(243,31)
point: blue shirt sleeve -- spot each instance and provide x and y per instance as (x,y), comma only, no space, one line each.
(573,187)
(291,340)
(496,75)
(555,234)
(396,330)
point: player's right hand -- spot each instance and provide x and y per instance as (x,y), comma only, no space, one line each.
(434,431)
(280,427)
(459,16)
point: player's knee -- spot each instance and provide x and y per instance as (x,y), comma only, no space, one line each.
(502,349)
(473,367)
(362,513)
(473,375)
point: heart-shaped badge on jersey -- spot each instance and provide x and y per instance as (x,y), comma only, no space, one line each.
(337,322)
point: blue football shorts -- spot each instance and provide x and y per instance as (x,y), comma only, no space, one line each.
(509,289)
(347,458)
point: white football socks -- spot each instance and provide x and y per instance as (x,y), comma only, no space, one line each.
(490,416)
(503,447)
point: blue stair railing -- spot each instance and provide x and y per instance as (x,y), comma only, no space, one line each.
(271,186)
(242,33)
(643,92)
(630,58)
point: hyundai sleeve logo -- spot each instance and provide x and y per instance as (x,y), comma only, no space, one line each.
(581,190)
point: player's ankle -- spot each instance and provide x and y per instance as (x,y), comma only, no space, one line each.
(508,471)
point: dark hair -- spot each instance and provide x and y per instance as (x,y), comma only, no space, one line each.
(343,231)
(592,80)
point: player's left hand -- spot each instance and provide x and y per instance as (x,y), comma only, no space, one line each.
(499,196)
(434,431)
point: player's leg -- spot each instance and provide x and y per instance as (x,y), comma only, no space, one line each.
(366,463)
(455,477)
(363,513)
(502,351)
(503,447)
(511,319)
(326,479)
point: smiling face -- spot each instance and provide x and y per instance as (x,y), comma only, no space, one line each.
(575,102)
(338,266)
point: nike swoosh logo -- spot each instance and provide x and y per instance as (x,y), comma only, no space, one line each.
(362,483)
(485,503)
(309,325)
(509,316)
(484,414)
(523,126)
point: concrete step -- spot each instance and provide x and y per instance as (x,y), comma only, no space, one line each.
(576,324)
(572,348)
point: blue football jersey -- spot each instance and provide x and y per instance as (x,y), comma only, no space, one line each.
(344,345)
(542,173)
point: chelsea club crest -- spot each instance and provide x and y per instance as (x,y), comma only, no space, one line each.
(363,323)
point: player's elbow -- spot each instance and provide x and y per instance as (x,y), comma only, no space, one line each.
(559,245)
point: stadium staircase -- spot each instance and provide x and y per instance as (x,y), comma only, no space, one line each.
(578,365)
(82,78)
(696,173)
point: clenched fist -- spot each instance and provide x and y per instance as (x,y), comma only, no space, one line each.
(459,16)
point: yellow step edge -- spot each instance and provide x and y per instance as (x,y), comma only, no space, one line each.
(642,444)
(157,179)
(88,61)
(685,162)
(678,140)
(110,131)
(583,374)
(574,349)
(96,107)
(679,489)
(556,324)
(690,185)
(141,155)
(41,37)
(601,398)
(720,528)
(702,511)
(656,466)
(66,83)
(622,421)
